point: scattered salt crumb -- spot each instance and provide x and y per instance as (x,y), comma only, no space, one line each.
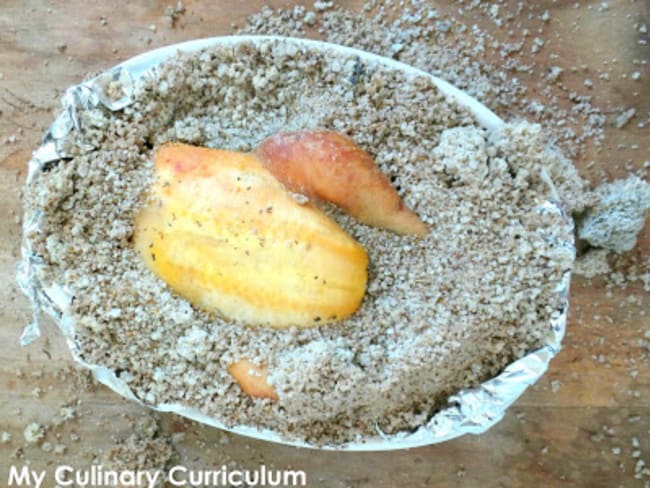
(555,386)
(321,6)
(33,433)
(310,18)
(624,117)
(554,73)
(174,13)
(537,45)
(67,413)
(5,438)
(639,470)
(60,449)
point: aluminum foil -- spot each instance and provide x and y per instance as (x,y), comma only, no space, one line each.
(470,411)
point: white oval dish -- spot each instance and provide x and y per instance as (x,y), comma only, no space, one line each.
(470,411)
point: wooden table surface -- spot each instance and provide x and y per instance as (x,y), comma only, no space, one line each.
(586,422)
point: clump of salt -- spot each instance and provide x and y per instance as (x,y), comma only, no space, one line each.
(462,153)
(616,219)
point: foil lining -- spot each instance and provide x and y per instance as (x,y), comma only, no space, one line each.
(470,411)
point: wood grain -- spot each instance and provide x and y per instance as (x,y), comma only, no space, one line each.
(577,427)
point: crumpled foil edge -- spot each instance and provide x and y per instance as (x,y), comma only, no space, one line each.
(470,411)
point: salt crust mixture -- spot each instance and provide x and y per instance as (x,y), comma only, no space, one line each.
(442,313)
